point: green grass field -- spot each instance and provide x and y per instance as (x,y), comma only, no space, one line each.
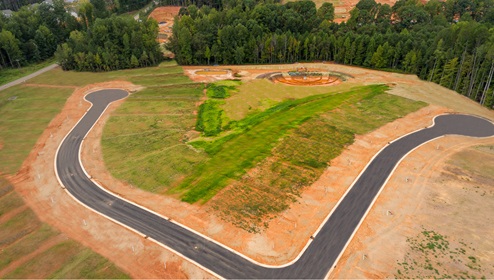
(72,78)
(25,111)
(299,158)
(144,140)
(152,145)
(8,75)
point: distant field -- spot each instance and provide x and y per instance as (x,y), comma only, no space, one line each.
(23,234)
(26,110)
(73,78)
(11,74)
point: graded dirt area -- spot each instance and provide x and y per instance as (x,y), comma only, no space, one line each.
(442,196)
(288,233)
(165,18)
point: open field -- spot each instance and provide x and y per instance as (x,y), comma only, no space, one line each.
(149,151)
(143,143)
(25,111)
(300,158)
(59,77)
(253,138)
(12,74)
(32,249)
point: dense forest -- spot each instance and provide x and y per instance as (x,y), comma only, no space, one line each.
(110,44)
(97,40)
(450,43)
(15,5)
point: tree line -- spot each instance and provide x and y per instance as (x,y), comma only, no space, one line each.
(450,43)
(111,44)
(95,40)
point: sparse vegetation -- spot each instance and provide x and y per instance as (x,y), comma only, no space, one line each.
(432,255)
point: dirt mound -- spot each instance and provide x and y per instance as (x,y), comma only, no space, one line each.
(309,80)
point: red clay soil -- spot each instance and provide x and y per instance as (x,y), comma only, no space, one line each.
(165,16)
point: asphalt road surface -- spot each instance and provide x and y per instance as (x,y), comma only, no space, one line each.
(321,254)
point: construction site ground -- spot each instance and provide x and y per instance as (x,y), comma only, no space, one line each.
(382,238)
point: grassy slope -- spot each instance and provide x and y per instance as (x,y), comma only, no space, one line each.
(25,118)
(301,157)
(259,134)
(244,150)
(23,233)
(143,142)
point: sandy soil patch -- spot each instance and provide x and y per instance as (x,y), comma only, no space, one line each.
(37,184)
(439,197)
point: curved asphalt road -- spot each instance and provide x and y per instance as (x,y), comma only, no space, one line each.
(321,254)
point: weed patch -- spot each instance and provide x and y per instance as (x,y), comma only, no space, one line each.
(209,117)
(432,255)
(301,156)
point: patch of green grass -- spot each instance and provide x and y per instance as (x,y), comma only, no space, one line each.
(8,75)
(25,111)
(144,139)
(28,244)
(18,226)
(298,159)
(260,134)
(73,78)
(259,95)
(221,89)
(9,202)
(209,117)
(88,265)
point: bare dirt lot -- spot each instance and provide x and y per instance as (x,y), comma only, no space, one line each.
(165,18)
(288,233)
